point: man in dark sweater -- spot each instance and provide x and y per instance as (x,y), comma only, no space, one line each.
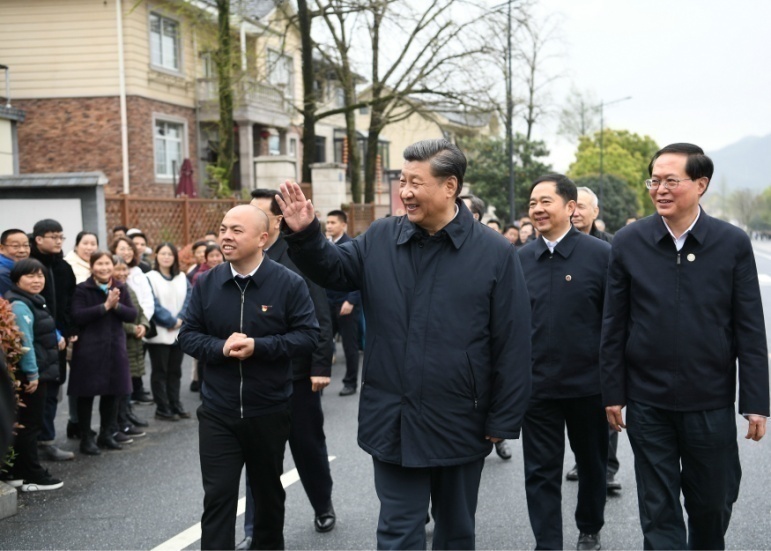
(46,246)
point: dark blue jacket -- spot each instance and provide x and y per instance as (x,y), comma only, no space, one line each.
(676,322)
(567,292)
(6,265)
(318,364)
(337,298)
(277,313)
(447,360)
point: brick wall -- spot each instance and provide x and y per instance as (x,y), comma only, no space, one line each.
(83,134)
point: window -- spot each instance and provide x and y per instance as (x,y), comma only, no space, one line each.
(274,145)
(292,147)
(281,72)
(321,150)
(164,42)
(169,145)
(339,96)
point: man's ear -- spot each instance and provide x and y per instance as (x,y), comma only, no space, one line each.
(451,184)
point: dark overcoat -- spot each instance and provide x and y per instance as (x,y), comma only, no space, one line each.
(99,364)
(447,360)
(676,322)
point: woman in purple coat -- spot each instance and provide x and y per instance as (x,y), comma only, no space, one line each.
(99,365)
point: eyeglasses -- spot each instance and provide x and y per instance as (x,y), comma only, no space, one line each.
(669,183)
(17,245)
(59,238)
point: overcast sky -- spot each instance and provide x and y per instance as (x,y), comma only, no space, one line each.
(697,71)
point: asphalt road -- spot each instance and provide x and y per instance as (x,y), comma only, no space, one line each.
(145,495)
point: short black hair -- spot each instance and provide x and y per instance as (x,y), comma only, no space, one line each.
(494,221)
(8,233)
(124,229)
(26,267)
(45,226)
(174,267)
(697,164)
(340,214)
(262,193)
(510,227)
(82,234)
(201,243)
(96,255)
(565,186)
(211,247)
(477,205)
(445,157)
(138,234)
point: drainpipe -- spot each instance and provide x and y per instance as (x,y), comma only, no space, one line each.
(122,92)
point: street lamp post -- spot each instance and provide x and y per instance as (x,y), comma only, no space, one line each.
(510,121)
(601,107)
(509,107)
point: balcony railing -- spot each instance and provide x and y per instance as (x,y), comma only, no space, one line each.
(249,92)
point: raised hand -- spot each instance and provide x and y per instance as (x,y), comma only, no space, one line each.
(298,211)
(113,297)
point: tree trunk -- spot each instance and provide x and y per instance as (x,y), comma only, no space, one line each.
(309,96)
(370,166)
(354,160)
(226,154)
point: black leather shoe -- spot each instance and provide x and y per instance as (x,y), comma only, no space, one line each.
(325,521)
(162,415)
(88,446)
(246,543)
(613,485)
(105,440)
(348,390)
(73,430)
(180,411)
(142,397)
(572,474)
(502,449)
(588,542)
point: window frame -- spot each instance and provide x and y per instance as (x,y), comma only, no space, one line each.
(179,70)
(184,146)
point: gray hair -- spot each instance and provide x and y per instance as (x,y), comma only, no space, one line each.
(446,159)
(595,201)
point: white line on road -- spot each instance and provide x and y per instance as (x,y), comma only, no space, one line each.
(193,534)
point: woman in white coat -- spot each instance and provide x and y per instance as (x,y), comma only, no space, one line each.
(172,293)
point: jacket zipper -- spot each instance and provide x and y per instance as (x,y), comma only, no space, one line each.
(240,363)
(677,312)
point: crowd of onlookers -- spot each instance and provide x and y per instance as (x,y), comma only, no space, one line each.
(88,318)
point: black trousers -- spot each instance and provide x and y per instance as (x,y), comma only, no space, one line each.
(226,444)
(348,327)
(404,495)
(166,375)
(543,447)
(309,450)
(693,452)
(108,413)
(27,465)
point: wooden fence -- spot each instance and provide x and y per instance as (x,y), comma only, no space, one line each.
(182,220)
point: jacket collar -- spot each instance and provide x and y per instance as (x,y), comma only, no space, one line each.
(39,300)
(223,276)
(698,232)
(277,249)
(457,230)
(7,262)
(564,248)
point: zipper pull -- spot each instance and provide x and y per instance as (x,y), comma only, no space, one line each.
(678,259)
